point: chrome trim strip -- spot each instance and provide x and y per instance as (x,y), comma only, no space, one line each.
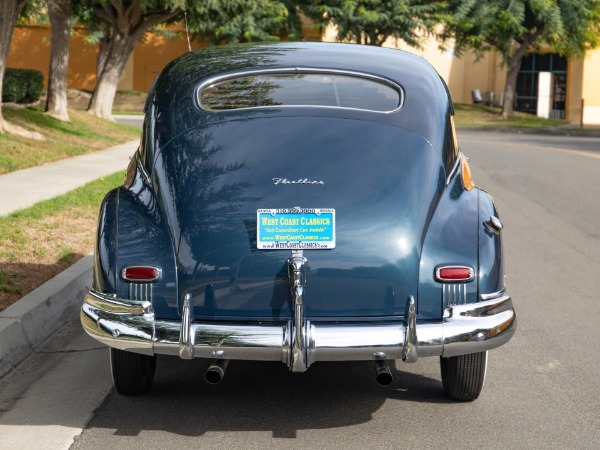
(454,294)
(493,295)
(141,291)
(131,326)
(298,70)
(142,169)
(454,168)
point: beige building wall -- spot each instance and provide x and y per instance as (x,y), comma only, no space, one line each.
(583,94)
(462,74)
(590,91)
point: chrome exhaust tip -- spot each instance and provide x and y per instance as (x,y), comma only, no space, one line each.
(383,374)
(215,373)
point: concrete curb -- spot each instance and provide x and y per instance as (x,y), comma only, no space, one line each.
(556,131)
(28,322)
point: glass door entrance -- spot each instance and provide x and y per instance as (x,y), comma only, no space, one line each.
(527,83)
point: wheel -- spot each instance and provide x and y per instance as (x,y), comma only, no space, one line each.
(132,373)
(463,376)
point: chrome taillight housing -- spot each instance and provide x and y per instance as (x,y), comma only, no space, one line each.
(140,274)
(454,274)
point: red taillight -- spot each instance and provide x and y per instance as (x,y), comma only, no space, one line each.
(141,274)
(454,273)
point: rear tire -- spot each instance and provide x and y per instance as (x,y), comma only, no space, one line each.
(463,376)
(132,373)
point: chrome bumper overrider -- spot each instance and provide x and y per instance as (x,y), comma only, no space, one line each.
(130,325)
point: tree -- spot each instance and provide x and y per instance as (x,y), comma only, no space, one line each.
(372,22)
(59,12)
(9,13)
(118,25)
(232,21)
(517,27)
(126,23)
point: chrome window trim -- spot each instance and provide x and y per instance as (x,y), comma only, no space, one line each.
(454,168)
(142,169)
(452,280)
(300,70)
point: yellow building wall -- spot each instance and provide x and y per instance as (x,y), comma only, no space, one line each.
(152,55)
(574,90)
(30,48)
(126,80)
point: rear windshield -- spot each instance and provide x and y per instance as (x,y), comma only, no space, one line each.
(301,89)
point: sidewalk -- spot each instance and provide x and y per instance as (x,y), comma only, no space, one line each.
(23,188)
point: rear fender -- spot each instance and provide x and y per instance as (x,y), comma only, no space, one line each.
(451,239)
(104,277)
(144,239)
(491,262)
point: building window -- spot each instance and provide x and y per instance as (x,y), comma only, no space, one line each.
(527,83)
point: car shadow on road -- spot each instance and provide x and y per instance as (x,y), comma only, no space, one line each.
(256,396)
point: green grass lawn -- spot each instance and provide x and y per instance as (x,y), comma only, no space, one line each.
(469,115)
(39,242)
(83,134)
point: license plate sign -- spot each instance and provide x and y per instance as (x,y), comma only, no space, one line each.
(295,229)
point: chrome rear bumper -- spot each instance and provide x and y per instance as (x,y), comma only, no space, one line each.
(131,325)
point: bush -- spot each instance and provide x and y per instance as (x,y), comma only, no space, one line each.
(22,85)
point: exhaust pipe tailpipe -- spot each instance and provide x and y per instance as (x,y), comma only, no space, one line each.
(383,374)
(216,371)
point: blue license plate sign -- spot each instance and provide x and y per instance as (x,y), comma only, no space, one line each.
(295,229)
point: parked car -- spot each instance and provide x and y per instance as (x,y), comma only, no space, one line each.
(299,202)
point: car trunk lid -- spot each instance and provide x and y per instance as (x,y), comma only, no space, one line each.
(382,181)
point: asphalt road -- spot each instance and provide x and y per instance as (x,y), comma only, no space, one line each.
(542,389)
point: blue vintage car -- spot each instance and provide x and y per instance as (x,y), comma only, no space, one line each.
(299,202)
